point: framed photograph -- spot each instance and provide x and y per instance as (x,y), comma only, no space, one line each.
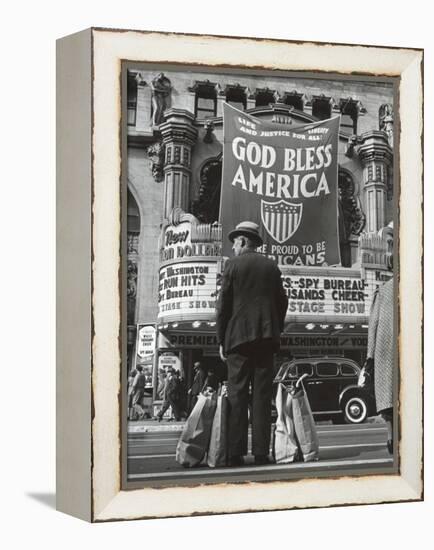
(239,275)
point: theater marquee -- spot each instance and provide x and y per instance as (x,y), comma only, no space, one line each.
(319,295)
(187,291)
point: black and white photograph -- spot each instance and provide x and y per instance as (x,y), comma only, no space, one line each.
(260,324)
(218,232)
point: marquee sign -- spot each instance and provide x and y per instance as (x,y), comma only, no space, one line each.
(338,295)
(182,241)
(208,341)
(187,291)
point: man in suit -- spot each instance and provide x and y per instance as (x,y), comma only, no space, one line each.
(251,310)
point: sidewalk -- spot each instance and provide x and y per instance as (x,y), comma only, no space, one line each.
(150,425)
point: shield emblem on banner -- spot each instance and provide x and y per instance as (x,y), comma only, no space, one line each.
(281,219)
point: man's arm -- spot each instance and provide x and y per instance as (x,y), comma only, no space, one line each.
(224,303)
(282,299)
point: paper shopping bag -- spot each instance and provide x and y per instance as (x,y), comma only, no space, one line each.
(285,444)
(194,440)
(218,447)
(304,425)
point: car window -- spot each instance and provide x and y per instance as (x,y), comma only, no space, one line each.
(327,369)
(348,370)
(304,368)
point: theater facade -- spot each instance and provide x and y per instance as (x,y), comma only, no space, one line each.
(174,252)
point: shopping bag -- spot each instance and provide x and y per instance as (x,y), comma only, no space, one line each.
(304,425)
(285,444)
(194,440)
(218,447)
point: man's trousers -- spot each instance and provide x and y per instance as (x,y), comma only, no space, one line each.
(250,365)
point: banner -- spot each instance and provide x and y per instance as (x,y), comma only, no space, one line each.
(284,178)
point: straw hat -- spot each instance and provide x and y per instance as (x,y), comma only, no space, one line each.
(246,229)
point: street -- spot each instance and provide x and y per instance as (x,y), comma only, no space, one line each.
(151,454)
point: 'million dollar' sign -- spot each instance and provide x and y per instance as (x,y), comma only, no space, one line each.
(285,179)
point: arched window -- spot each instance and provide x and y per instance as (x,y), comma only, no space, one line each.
(206,206)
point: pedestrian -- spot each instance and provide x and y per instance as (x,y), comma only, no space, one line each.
(138,390)
(179,394)
(170,396)
(380,355)
(161,383)
(251,310)
(197,384)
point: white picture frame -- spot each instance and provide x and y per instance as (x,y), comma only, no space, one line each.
(89,452)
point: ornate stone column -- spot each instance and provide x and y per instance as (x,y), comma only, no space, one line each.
(376,156)
(179,136)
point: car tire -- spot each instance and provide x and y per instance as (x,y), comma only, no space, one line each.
(355,409)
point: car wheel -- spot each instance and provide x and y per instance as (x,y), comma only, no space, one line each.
(355,410)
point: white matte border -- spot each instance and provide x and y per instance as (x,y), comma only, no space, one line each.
(110,47)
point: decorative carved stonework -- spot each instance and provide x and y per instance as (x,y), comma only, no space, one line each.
(385,121)
(354,219)
(375,250)
(209,129)
(352,142)
(177,154)
(140,80)
(161,97)
(186,160)
(131,290)
(179,135)
(155,153)
(131,280)
(132,243)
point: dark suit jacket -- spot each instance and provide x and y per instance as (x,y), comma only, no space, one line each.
(252,302)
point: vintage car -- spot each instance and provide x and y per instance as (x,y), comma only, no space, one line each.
(331,387)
